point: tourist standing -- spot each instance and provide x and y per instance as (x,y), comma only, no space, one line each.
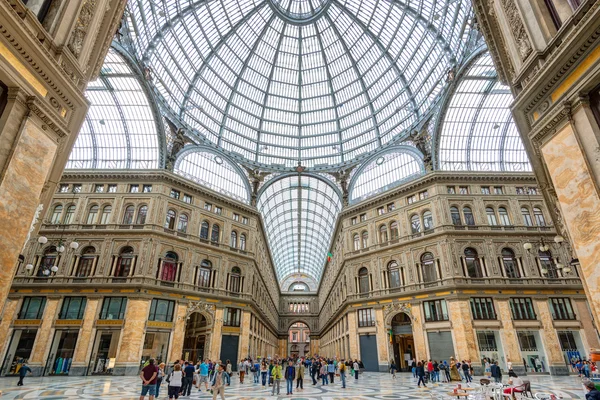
(241,370)
(159,377)
(218,383)
(393,368)
(314,370)
(343,374)
(175,382)
(323,373)
(466,372)
(454,375)
(256,371)
(290,375)
(496,372)
(203,375)
(263,372)
(23,372)
(300,375)
(331,370)
(276,375)
(188,379)
(148,375)
(356,368)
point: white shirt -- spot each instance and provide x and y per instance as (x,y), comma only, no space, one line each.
(175,378)
(509,365)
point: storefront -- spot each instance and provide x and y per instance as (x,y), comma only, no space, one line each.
(19,350)
(104,352)
(61,353)
(490,348)
(532,351)
(156,345)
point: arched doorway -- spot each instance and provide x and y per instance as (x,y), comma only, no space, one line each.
(196,339)
(298,339)
(403,342)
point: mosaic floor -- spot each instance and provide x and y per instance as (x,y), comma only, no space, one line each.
(369,386)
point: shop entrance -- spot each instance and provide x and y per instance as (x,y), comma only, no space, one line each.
(19,350)
(61,353)
(156,345)
(402,341)
(105,352)
(195,343)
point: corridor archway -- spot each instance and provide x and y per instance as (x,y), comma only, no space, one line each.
(197,338)
(298,339)
(402,341)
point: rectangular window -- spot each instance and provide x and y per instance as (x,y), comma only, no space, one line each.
(134,188)
(483,308)
(354,220)
(32,308)
(175,194)
(391,207)
(147,188)
(231,316)
(423,195)
(411,199)
(218,210)
(365,317)
(63,188)
(208,206)
(498,190)
(113,308)
(161,310)
(236,217)
(450,189)
(187,198)
(77,188)
(463,189)
(112,188)
(522,308)
(567,341)
(99,188)
(294,336)
(562,309)
(435,310)
(487,341)
(244,220)
(527,341)
(380,211)
(72,308)
(485,190)
(363,217)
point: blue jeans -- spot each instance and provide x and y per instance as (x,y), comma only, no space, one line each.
(149,390)
(158,383)
(256,375)
(290,385)
(343,378)
(264,378)
(324,378)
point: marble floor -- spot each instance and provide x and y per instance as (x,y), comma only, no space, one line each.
(369,386)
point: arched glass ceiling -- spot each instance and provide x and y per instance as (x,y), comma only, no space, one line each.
(120,129)
(478,132)
(213,171)
(384,172)
(300,213)
(277,82)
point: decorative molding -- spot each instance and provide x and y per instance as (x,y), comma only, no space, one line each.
(390,310)
(517,28)
(82,25)
(39,108)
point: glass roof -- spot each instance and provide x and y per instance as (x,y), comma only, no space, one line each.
(120,128)
(213,171)
(478,132)
(300,213)
(278,82)
(384,172)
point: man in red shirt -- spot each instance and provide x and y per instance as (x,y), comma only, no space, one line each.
(148,375)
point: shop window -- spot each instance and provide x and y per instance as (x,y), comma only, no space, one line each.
(562,309)
(435,310)
(62,351)
(161,310)
(113,308)
(124,263)
(521,308)
(231,316)
(483,308)
(19,350)
(365,317)
(72,308)
(156,345)
(32,308)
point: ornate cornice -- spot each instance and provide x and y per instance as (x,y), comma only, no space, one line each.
(39,108)
(547,125)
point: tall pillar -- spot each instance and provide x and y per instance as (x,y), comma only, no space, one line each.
(244,350)
(43,340)
(382,340)
(418,328)
(591,335)
(10,312)
(85,339)
(556,361)
(462,330)
(132,338)
(314,345)
(215,337)
(352,334)
(510,343)
(179,324)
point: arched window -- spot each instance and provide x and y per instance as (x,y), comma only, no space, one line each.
(415,224)
(491,216)
(233,239)
(235,279)
(468,215)
(86,262)
(128,215)
(69,213)
(170,219)
(92,215)
(394,230)
(473,265)
(547,264)
(455,215)
(383,234)
(504,219)
(204,273)
(539,216)
(183,223)
(526,216)
(243,242)
(428,268)
(48,261)
(363,280)
(215,234)
(356,240)
(365,240)
(105,217)
(124,262)
(141,215)
(204,230)
(168,270)
(509,262)
(394,275)
(56,213)
(427,220)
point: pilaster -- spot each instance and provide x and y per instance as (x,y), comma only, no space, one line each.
(132,337)
(510,343)
(556,362)
(215,337)
(85,338)
(43,340)
(179,325)
(462,328)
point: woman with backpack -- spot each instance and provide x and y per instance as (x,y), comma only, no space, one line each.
(174,380)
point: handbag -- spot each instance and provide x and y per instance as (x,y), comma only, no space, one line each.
(168,379)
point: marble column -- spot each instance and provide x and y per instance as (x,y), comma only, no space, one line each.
(510,342)
(465,343)
(215,337)
(132,337)
(353,334)
(382,340)
(243,350)
(314,345)
(85,340)
(179,324)
(43,340)
(556,362)
(591,335)
(8,315)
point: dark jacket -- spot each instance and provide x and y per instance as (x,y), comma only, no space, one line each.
(290,372)
(420,371)
(592,395)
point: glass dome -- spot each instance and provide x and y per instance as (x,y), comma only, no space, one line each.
(279,82)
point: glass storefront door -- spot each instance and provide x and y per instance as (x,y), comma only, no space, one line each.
(61,353)
(105,352)
(156,345)
(19,350)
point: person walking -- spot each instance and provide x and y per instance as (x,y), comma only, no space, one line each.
(175,382)
(263,372)
(323,373)
(331,370)
(229,370)
(393,368)
(256,371)
(290,375)
(202,376)
(413,367)
(496,372)
(356,368)
(217,383)
(343,374)
(23,372)
(188,379)
(276,375)
(300,375)
(148,376)
(465,369)
(242,370)
(420,374)
(314,370)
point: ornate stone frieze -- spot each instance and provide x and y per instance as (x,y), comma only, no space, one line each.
(46,115)
(81,27)
(517,28)
(206,309)
(390,310)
